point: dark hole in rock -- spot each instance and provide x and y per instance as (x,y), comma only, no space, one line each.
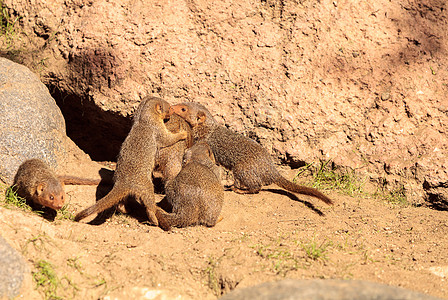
(437,202)
(98,133)
(291,162)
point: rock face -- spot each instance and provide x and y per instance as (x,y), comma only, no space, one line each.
(323,290)
(31,124)
(12,271)
(351,81)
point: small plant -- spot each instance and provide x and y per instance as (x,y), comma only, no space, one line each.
(316,251)
(280,254)
(366,257)
(12,199)
(7,23)
(65,213)
(100,282)
(46,279)
(74,263)
(213,281)
(396,196)
(327,176)
(39,243)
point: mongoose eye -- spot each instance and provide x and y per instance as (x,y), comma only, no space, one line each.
(184,109)
(51,197)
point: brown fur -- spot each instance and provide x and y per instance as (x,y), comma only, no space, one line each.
(196,193)
(169,159)
(251,164)
(135,164)
(35,182)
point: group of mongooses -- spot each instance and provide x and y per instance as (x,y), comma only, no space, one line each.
(251,164)
(184,143)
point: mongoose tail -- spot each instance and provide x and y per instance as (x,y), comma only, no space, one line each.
(300,189)
(73,180)
(111,199)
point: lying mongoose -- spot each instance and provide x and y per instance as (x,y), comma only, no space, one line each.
(169,159)
(38,184)
(196,193)
(135,164)
(251,164)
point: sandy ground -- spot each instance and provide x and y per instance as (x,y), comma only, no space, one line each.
(264,237)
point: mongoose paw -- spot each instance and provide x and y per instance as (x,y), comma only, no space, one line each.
(152,217)
(122,208)
(244,191)
(219,219)
(183,135)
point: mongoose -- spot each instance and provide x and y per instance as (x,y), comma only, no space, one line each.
(196,193)
(38,184)
(135,163)
(251,164)
(169,159)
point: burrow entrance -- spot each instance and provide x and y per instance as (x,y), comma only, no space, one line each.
(98,133)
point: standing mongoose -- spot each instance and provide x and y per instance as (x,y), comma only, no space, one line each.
(196,193)
(169,159)
(135,164)
(251,164)
(37,183)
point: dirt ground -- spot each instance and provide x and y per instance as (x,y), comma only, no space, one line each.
(265,237)
(354,81)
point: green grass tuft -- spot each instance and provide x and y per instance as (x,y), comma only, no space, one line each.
(66,213)
(7,23)
(316,251)
(282,258)
(396,196)
(213,280)
(46,279)
(327,176)
(12,199)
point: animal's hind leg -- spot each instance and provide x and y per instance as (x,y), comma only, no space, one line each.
(245,181)
(239,188)
(147,199)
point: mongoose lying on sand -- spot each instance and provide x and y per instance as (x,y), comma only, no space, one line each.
(37,183)
(136,160)
(196,193)
(251,164)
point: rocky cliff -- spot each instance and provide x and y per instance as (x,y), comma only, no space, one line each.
(362,83)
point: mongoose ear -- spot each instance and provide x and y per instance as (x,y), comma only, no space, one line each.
(40,188)
(201,117)
(158,108)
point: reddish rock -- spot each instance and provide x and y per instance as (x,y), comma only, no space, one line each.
(310,81)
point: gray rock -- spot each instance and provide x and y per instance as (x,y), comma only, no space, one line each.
(31,124)
(324,290)
(12,271)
